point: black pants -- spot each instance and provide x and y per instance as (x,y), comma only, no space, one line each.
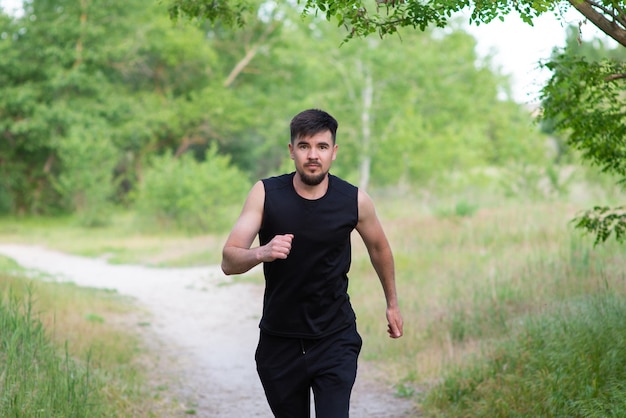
(290,367)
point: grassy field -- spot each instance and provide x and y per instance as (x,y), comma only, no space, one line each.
(482,294)
(508,311)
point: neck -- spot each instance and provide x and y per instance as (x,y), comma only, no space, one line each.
(310,192)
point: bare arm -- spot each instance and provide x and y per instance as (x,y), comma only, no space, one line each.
(379,250)
(238,256)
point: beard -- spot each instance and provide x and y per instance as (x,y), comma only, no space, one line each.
(312,180)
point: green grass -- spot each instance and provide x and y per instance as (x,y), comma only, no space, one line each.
(37,380)
(120,242)
(564,363)
(467,285)
(63,352)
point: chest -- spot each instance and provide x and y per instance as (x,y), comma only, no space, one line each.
(321,222)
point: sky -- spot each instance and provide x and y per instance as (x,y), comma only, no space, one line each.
(516,47)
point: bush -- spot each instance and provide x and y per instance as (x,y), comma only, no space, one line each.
(193,196)
(6,200)
(88,158)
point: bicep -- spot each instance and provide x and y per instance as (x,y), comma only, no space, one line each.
(368,226)
(249,222)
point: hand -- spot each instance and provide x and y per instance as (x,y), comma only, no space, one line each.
(395,322)
(278,248)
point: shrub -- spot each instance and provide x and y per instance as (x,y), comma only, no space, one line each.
(88,158)
(194,196)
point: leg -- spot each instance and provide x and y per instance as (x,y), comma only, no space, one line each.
(282,370)
(336,365)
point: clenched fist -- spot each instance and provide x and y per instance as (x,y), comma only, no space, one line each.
(278,248)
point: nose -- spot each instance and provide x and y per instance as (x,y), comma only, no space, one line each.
(312,154)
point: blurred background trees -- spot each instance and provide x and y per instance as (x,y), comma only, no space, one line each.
(107,105)
(583,100)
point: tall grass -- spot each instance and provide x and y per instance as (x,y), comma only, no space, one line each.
(63,352)
(569,362)
(468,285)
(36,380)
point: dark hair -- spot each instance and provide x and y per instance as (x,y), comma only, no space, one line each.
(312,121)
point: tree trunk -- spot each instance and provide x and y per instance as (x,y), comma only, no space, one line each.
(79,42)
(366,134)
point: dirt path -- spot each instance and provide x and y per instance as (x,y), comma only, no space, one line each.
(204,330)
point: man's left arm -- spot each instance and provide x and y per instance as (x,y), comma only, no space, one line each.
(379,250)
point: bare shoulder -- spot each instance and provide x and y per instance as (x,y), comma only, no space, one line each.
(369,226)
(366,206)
(255,201)
(258,188)
(249,221)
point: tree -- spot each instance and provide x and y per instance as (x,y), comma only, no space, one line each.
(116,74)
(50,81)
(596,122)
(116,86)
(585,99)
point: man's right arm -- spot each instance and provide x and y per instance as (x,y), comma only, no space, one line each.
(237,256)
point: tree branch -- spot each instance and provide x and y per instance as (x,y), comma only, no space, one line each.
(614,77)
(249,55)
(607,26)
(186,142)
(616,13)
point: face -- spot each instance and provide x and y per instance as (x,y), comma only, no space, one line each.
(313,157)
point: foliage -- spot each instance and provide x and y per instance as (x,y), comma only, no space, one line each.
(120,69)
(363,18)
(584,100)
(229,12)
(604,221)
(51,80)
(194,196)
(107,88)
(88,158)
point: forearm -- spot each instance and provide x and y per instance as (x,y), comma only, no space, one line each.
(239,260)
(382,260)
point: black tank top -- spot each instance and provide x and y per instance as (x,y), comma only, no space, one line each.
(306,294)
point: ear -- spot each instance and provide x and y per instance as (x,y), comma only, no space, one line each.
(291,150)
(335,151)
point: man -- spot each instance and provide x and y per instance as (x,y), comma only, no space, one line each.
(308,338)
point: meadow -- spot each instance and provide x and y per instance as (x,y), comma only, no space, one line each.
(508,310)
